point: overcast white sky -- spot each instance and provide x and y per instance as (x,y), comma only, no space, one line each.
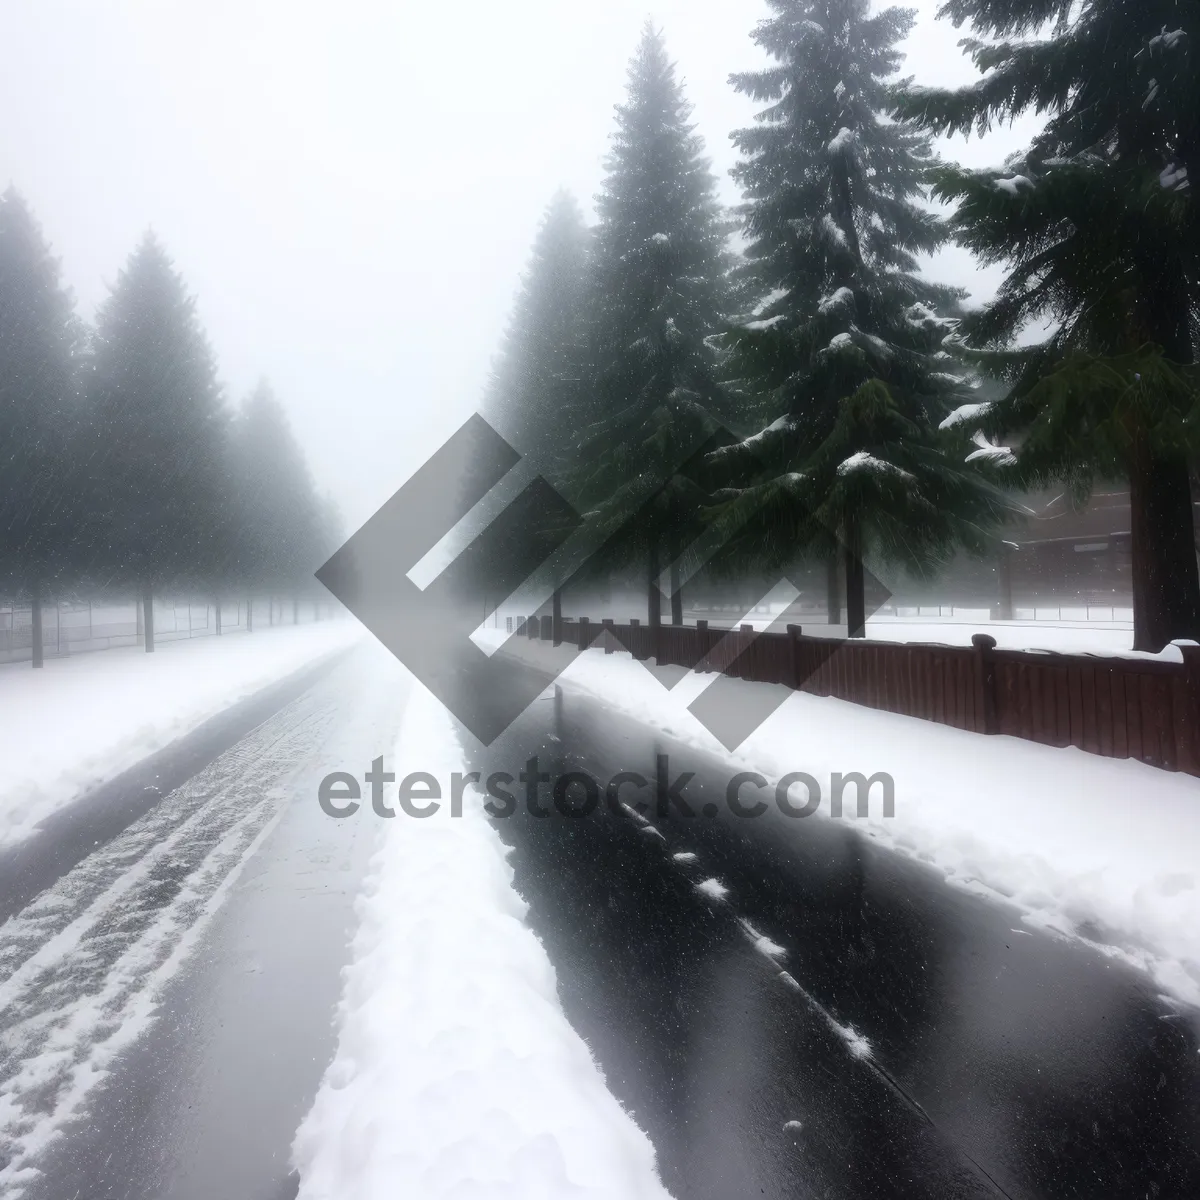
(351,189)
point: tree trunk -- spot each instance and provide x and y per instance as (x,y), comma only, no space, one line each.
(249,614)
(39,649)
(674,550)
(1004,605)
(148,616)
(556,616)
(653,595)
(1166,584)
(856,597)
(676,595)
(833,592)
(217,614)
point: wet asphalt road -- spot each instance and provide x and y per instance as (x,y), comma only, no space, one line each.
(1003,1061)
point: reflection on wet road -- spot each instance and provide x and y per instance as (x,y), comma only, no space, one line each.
(838,1022)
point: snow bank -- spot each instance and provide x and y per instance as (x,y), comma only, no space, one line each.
(456,1072)
(79,721)
(1099,849)
(1066,637)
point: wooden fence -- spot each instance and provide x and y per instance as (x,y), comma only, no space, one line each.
(1141,708)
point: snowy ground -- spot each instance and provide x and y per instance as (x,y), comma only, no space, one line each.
(456,1072)
(1065,636)
(80,721)
(1082,637)
(117,980)
(1095,848)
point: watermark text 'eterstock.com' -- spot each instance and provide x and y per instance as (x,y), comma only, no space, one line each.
(579,794)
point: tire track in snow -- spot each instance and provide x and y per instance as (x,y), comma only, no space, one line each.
(81,967)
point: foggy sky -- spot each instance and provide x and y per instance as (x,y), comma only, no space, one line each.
(351,189)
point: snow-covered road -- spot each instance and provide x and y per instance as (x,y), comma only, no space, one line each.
(162,932)
(206,981)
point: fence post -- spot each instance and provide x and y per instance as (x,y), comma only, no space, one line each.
(547,630)
(583,634)
(148,617)
(741,664)
(984,644)
(703,666)
(610,636)
(1187,747)
(38,652)
(793,632)
(531,629)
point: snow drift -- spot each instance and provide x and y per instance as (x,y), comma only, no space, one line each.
(457,1074)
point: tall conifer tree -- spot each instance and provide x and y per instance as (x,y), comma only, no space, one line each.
(283,528)
(845,349)
(157,472)
(533,396)
(659,288)
(1099,222)
(40,338)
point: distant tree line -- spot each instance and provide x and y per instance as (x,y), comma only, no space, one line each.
(801,392)
(121,466)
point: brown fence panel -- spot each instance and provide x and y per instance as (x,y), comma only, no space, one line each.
(1118,707)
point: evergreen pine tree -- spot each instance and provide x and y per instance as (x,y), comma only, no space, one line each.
(283,528)
(534,390)
(659,288)
(39,340)
(1101,232)
(157,427)
(845,349)
(331,527)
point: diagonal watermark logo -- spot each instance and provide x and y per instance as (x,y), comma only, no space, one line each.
(429,629)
